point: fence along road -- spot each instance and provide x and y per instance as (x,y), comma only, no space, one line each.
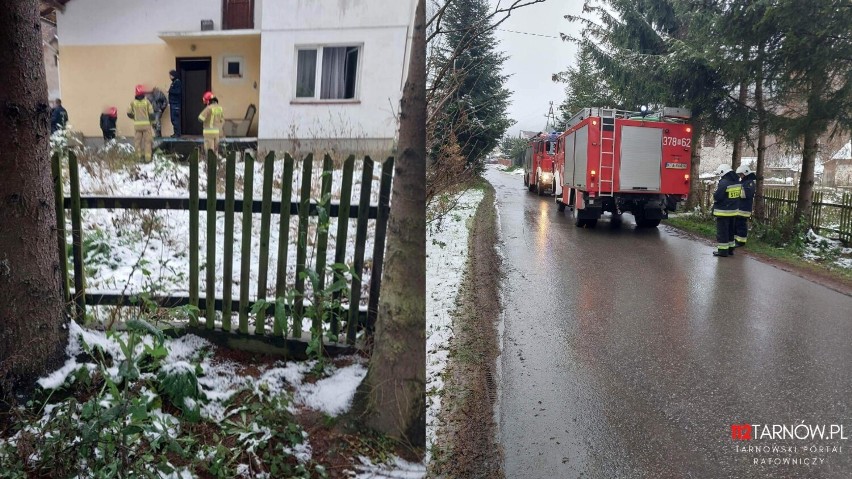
(344,211)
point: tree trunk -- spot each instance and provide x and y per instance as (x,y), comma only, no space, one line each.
(761,137)
(694,199)
(391,398)
(737,155)
(806,181)
(33,332)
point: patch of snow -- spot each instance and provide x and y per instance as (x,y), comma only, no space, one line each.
(332,395)
(399,469)
(302,452)
(446,257)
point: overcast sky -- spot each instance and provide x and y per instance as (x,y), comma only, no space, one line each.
(534,59)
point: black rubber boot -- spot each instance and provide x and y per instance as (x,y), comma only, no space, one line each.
(721,253)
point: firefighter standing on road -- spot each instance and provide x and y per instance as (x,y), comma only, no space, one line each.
(747,180)
(212,119)
(142,113)
(726,201)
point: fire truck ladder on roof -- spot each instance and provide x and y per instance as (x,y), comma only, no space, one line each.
(606,160)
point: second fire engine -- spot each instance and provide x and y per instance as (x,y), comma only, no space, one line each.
(615,161)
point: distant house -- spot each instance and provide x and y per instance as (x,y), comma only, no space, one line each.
(321,73)
(838,168)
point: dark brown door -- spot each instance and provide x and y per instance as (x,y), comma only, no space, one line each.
(237,14)
(195,77)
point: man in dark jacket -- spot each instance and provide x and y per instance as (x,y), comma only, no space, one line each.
(748,180)
(726,201)
(175,99)
(159,102)
(58,117)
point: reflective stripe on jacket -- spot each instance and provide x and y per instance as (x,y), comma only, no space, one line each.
(142,112)
(727,196)
(747,201)
(212,118)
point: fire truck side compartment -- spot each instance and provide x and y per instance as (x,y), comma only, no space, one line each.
(568,178)
(641,157)
(581,153)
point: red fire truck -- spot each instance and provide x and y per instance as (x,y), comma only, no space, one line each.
(617,161)
(538,163)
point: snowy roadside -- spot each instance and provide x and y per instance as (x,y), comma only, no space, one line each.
(446,257)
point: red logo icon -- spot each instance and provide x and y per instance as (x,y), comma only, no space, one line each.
(741,432)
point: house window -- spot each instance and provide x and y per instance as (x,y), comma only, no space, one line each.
(709,140)
(232,67)
(335,67)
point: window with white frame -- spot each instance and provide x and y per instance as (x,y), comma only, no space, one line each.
(327,73)
(232,67)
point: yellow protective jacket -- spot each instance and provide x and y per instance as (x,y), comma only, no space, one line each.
(212,118)
(142,113)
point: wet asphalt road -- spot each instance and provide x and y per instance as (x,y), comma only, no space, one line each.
(630,353)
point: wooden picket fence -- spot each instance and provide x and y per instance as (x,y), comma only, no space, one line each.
(345,211)
(827,218)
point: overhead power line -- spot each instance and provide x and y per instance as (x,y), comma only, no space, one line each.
(525,33)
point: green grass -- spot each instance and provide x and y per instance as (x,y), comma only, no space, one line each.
(706,227)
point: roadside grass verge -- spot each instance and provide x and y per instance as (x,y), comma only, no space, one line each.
(759,244)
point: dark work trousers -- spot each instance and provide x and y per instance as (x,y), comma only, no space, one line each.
(741,230)
(174,114)
(158,123)
(724,233)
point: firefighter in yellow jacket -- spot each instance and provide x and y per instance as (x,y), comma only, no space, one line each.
(142,113)
(212,119)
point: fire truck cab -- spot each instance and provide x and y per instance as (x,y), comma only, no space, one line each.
(615,161)
(538,163)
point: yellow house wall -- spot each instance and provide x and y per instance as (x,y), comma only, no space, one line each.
(94,78)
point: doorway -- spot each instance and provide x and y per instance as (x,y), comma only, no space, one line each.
(194,75)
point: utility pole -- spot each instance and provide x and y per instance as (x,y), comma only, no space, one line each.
(550,116)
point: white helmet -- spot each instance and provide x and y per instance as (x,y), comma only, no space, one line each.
(722,170)
(744,170)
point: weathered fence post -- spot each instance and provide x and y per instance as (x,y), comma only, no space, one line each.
(360,246)
(302,245)
(342,231)
(379,243)
(194,270)
(322,240)
(210,307)
(265,219)
(59,198)
(279,327)
(245,256)
(77,238)
(228,255)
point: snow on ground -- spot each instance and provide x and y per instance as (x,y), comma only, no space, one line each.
(220,380)
(400,469)
(446,257)
(332,395)
(516,171)
(822,249)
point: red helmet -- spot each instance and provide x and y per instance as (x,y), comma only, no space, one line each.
(207,97)
(113,111)
(140,90)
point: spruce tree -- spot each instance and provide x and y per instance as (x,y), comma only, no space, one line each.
(476,114)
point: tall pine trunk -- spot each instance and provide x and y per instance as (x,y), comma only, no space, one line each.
(32,319)
(761,135)
(806,181)
(392,396)
(695,165)
(739,140)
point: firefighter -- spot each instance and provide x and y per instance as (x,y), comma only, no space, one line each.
(726,201)
(212,119)
(748,182)
(108,119)
(142,113)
